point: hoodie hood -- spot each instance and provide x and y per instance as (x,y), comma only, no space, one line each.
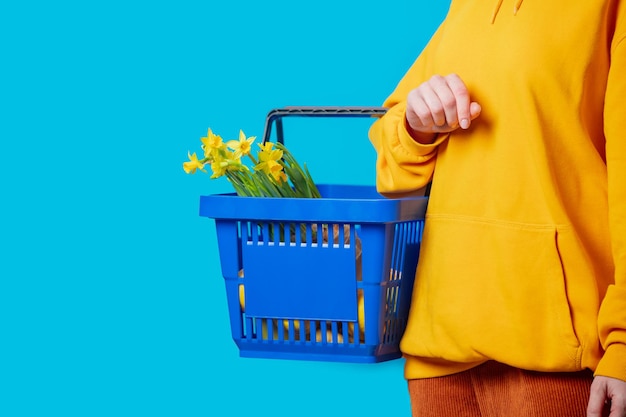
(516,7)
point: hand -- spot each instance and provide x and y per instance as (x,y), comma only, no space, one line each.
(607,392)
(439,105)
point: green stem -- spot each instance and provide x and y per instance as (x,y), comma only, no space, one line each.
(254,161)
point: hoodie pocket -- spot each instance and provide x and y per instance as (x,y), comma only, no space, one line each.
(491,290)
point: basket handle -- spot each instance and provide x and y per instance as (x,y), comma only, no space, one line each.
(275,116)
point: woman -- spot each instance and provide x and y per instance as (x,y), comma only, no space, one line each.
(515,111)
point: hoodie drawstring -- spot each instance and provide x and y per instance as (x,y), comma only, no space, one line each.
(495,11)
(518,5)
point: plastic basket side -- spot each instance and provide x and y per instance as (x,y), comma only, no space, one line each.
(378,290)
(318,290)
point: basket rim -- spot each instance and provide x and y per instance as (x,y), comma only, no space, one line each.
(339,203)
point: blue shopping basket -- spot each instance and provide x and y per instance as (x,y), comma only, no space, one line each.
(327,279)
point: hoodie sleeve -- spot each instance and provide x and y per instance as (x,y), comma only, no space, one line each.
(612,317)
(403,165)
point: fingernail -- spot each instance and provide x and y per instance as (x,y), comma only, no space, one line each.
(464,123)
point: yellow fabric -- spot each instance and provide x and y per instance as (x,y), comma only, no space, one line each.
(523,258)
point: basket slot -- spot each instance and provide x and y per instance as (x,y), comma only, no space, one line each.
(342,328)
(246,324)
(391,306)
(296,233)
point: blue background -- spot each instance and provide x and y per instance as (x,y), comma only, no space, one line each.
(111,298)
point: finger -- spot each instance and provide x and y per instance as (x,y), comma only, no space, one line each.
(595,407)
(445,101)
(417,112)
(427,108)
(461,98)
(597,397)
(431,96)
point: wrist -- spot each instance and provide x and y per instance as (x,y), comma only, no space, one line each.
(424,138)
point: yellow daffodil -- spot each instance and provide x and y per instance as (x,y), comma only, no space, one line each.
(268,158)
(193,164)
(218,168)
(280,176)
(243,146)
(211,143)
(277,173)
(224,161)
(232,159)
(268,152)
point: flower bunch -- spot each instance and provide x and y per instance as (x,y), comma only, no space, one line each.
(274,172)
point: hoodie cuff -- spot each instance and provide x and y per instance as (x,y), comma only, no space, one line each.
(414,147)
(613,362)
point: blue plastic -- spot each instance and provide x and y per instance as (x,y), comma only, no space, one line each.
(305,266)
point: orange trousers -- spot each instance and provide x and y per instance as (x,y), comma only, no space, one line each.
(496,390)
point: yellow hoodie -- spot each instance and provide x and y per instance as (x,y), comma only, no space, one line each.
(523,259)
